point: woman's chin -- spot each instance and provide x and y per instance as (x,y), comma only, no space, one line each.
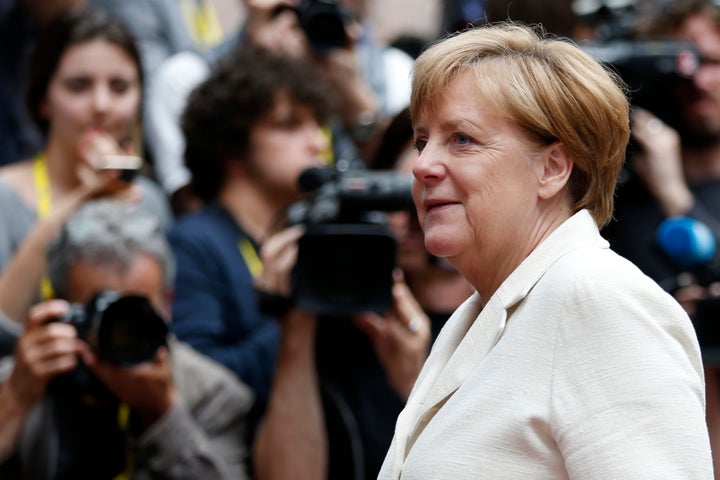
(440,245)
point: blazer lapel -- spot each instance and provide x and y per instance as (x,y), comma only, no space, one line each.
(477,330)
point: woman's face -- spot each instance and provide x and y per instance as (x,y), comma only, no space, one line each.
(286,142)
(476,184)
(95,87)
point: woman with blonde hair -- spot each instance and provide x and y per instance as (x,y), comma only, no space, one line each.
(567,362)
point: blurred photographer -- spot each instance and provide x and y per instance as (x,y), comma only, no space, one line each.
(251,127)
(68,413)
(674,168)
(367,80)
(370,80)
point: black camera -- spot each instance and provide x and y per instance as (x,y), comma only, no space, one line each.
(123,330)
(347,255)
(649,67)
(323,22)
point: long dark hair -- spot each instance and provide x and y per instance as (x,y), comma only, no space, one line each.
(71,28)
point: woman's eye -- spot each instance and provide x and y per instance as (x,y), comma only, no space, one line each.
(419,145)
(462,139)
(77,84)
(119,86)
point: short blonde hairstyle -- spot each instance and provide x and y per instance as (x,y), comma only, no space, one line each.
(548,86)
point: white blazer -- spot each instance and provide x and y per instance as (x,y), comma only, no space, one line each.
(578,367)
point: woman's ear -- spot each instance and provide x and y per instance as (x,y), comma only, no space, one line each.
(557,166)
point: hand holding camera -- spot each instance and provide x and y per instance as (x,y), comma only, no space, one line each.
(45,350)
(273,24)
(279,254)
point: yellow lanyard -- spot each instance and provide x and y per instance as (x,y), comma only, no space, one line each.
(327,155)
(202,22)
(252,260)
(123,419)
(44,205)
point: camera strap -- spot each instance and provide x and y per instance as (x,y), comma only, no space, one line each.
(123,419)
(44,205)
(202,22)
(250,256)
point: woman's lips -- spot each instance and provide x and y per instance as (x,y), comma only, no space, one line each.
(435,205)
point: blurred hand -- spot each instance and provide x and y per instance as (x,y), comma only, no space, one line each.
(273,24)
(401,337)
(44,350)
(93,147)
(146,388)
(342,68)
(279,254)
(659,162)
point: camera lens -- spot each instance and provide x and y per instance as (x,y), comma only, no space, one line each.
(130,331)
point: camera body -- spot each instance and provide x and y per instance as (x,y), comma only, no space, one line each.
(122,330)
(347,255)
(648,67)
(323,22)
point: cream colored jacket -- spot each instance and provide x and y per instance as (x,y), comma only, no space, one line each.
(578,367)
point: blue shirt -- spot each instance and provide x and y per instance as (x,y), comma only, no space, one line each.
(214,306)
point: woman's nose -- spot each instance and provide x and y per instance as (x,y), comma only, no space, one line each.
(101,98)
(428,166)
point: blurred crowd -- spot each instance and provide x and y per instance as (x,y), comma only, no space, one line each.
(174,299)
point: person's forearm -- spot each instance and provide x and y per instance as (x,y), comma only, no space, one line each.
(291,442)
(20,279)
(12,419)
(675,200)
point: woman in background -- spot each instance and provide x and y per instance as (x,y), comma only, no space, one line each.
(84,91)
